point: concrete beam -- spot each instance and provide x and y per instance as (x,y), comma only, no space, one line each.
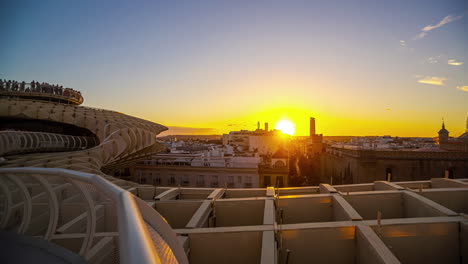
(327,188)
(385,185)
(170,194)
(371,249)
(447,183)
(269,251)
(431,204)
(269,212)
(348,209)
(216,194)
(200,217)
(270,192)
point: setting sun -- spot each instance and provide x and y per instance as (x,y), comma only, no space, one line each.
(286,126)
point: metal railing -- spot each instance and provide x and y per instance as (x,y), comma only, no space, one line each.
(86,214)
(40,90)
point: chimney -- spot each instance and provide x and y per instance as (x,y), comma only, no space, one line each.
(266,126)
(312,127)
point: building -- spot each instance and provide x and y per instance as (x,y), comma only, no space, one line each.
(384,160)
(199,170)
(274,170)
(261,141)
(453,144)
(316,140)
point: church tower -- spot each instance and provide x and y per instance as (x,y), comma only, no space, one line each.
(443,134)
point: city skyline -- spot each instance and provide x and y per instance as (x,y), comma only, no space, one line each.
(359,68)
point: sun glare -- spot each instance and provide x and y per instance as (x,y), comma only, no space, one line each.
(286,126)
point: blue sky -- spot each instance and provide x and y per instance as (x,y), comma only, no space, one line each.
(360,67)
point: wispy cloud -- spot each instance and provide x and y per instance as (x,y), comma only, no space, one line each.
(432,60)
(402,43)
(455,62)
(446,20)
(432,80)
(463,88)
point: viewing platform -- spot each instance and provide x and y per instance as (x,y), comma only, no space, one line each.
(40,91)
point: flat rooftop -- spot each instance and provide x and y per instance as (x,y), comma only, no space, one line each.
(380,222)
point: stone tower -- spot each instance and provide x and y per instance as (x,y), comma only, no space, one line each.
(443,134)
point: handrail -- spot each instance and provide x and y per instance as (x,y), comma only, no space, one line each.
(40,90)
(135,243)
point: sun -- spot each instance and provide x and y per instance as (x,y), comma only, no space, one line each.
(286,126)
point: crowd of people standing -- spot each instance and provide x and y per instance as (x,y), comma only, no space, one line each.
(36,87)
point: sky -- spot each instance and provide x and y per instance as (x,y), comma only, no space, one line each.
(209,67)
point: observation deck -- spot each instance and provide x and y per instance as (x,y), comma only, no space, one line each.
(40,91)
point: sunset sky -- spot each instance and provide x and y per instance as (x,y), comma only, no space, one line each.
(209,67)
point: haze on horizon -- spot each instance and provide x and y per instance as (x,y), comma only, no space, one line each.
(359,67)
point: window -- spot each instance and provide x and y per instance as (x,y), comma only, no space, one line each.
(230,182)
(157,180)
(266,181)
(279,164)
(200,180)
(185,180)
(172,180)
(248,182)
(239,179)
(214,180)
(279,181)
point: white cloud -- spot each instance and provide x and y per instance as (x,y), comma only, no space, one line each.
(446,20)
(433,80)
(455,62)
(421,35)
(463,88)
(432,60)
(402,43)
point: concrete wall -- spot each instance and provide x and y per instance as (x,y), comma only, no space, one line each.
(414,207)
(177,213)
(226,247)
(456,201)
(364,187)
(239,212)
(298,191)
(423,243)
(245,193)
(320,245)
(367,205)
(307,209)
